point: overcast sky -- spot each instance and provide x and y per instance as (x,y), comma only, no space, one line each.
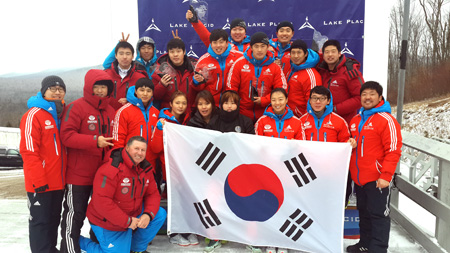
(48,34)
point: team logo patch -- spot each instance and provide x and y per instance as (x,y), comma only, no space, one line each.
(353,127)
(91,127)
(289,129)
(211,65)
(92,117)
(125,190)
(48,122)
(267,127)
(246,66)
(238,129)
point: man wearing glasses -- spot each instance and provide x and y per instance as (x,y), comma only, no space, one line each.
(44,163)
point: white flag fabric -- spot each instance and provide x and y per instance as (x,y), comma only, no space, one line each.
(256,190)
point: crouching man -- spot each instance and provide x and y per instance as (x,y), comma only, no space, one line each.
(125,198)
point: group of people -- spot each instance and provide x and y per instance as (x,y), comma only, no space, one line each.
(102,156)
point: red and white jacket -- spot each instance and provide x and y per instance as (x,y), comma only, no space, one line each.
(121,188)
(344,83)
(263,76)
(44,157)
(83,121)
(133,119)
(379,143)
(121,86)
(215,69)
(329,128)
(287,127)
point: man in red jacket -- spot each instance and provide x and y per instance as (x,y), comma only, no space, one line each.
(342,77)
(86,132)
(124,72)
(254,76)
(44,163)
(125,198)
(372,166)
(213,67)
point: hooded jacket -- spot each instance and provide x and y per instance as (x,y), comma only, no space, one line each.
(285,126)
(301,79)
(121,86)
(197,120)
(133,119)
(204,34)
(83,121)
(379,143)
(215,69)
(121,190)
(249,74)
(44,157)
(344,82)
(330,127)
(180,81)
(279,49)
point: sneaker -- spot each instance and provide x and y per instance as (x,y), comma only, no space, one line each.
(212,245)
(192,238)
(282,250)
(357,248)
(271,250)
(254,249)
(180,240)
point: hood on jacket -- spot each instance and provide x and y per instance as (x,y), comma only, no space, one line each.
(268,59)
(245,41)
(277,45)
(152,61)
(93,76)
(287,113)
(49,106)
(187,60)
(383,106)
(328,110)
(344,61)
(221,57)
(132,99)
(311,61)
(165,114)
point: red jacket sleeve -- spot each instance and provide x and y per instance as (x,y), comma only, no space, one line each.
(279,81)
(120,128)
(300,135)
(104,189)
(354,102)
(202,32)
(392,144)
(70,130)
(343,132)
(30,143)
(234,77)
(157,144)
(151,198)
(160,89)
(259,127)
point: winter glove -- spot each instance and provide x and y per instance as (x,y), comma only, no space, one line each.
(41,189)
(194,19)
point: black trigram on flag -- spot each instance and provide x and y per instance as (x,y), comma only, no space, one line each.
(293,225)
(206,214)
(300,169)
(209,159)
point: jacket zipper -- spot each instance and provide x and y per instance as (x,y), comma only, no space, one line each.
(99,126)
(362,147)
(262,88)
(176,84)
(217,83)
(187,86)
(325,137)
(115,89)
(56,145)
(132,188)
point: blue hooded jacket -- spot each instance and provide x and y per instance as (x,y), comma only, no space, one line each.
(240,45)
(280,49)
(279,119)
(259,64)
(311,62)
(365,114)
(222,59)
(328,111)
(41,102)
(163,115)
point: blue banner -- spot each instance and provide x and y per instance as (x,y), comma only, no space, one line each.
(313,21)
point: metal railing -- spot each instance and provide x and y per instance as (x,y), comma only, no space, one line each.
(428,185)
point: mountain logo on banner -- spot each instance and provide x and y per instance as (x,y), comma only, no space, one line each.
(153,26)
(296,228)
(300,170)
(207,216)
(192,53)
(227,25)
(306,25)
(345,50)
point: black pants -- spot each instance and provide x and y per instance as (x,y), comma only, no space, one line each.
(76,199)
(374,220)
(45,214)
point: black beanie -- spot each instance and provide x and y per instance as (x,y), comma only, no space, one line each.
(285,24)
(176,43)
(238,22)
(300,44)
(144,82)
(50,81)
(259,37)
